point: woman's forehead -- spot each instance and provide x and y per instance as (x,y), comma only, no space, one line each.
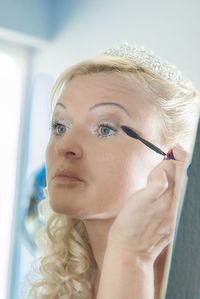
(86,91)
(107,80)
(100,86)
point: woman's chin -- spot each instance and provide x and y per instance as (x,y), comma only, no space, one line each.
(86,215)
(96,216)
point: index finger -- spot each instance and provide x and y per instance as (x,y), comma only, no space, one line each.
(180,154)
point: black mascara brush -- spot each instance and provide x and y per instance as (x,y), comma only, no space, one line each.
(168,156)
(133,134)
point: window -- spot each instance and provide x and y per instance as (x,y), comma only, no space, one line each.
(13,79)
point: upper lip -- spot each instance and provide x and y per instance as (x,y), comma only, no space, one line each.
(67,173)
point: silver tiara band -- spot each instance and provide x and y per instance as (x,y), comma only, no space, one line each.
(148,60)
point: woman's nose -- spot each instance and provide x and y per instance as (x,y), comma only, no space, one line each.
(69,148)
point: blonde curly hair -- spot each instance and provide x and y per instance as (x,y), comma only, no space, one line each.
(66,266)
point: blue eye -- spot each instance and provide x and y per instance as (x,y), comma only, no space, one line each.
(106,130)
(57,128)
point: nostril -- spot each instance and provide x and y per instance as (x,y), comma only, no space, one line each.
(70,153)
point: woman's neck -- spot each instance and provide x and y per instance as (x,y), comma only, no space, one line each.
(97,231)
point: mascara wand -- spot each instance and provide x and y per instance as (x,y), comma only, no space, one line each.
(133,134)
(168,156)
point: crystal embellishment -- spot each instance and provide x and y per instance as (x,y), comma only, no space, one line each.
(147,59)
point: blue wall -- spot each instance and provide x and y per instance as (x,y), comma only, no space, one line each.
(37,18)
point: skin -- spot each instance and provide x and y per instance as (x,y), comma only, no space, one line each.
(113,168)
(142,241)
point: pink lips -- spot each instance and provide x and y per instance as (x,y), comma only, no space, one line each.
(67,174)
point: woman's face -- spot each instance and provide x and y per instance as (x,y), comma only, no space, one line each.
(86,139)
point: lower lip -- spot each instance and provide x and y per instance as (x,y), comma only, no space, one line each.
(66,180)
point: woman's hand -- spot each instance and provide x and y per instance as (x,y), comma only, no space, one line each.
(145,223)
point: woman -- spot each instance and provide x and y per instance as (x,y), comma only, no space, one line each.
(111,201)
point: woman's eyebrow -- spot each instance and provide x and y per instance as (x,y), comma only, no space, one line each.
(101,104)
(110,103)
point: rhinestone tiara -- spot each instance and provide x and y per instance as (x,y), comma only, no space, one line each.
(148,60)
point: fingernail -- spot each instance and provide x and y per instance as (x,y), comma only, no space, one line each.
(169,155)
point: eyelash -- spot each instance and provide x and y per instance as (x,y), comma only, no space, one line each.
(108,125)
(55,124)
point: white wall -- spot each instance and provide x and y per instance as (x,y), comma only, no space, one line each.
(170,28)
